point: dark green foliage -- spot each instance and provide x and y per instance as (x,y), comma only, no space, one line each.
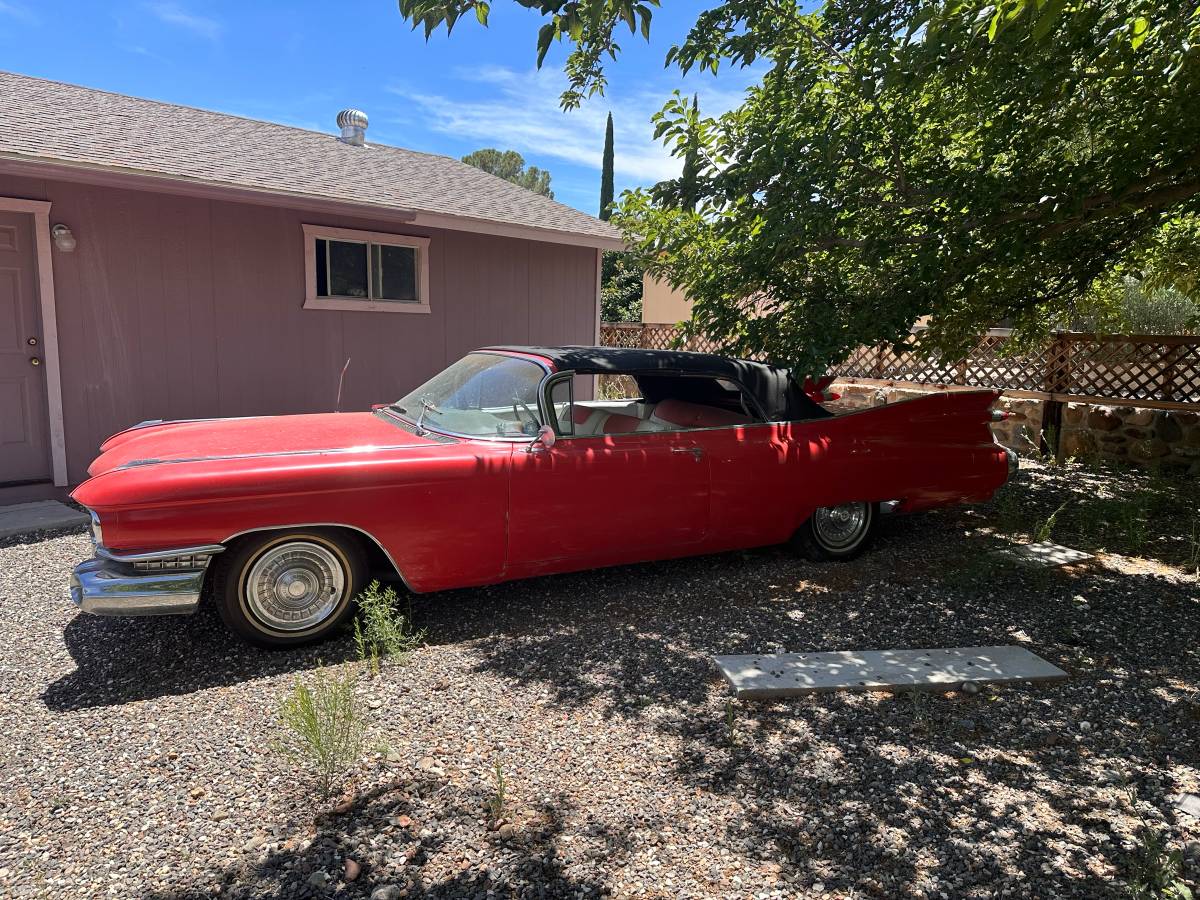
(620,287)
(606,172)
(689,179)
(972,161)
(510,165)
(587,24)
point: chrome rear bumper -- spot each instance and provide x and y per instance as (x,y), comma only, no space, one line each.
(166,582)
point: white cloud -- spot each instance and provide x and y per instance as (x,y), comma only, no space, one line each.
(18,12)
(519,110)
(177,15)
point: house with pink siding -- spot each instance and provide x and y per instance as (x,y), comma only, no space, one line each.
(164,262)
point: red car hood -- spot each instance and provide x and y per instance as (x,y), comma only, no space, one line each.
(208,438)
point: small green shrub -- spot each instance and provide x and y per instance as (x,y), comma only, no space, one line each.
(495,803)
(323,728)
(1131,518)
(1052,456)
(920,719)
(1154,872)
(1044,530)
(382,630)
(1010,512)
(730,722)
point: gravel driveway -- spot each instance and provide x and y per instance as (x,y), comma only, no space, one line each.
(137,755)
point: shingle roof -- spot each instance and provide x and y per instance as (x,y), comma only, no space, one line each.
(55,122)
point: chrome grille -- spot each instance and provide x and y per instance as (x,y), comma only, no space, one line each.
(173,563)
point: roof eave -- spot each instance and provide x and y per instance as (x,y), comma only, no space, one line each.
(138,179)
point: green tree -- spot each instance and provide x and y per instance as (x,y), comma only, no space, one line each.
(606,172)
(620,271)
(963,159)
(510,165)
(689,179)
(1153,289)
(620,287)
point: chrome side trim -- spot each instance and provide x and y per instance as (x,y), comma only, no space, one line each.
(290,525)
(134,463)
(147,423)
(105,588)
(202,550)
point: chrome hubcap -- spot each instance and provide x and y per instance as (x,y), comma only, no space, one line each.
(839,527)
(295,586)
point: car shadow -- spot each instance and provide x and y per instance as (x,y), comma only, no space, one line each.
(121,660)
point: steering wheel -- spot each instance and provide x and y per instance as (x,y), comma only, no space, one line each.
(533,420)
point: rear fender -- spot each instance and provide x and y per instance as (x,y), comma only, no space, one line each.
(934,450)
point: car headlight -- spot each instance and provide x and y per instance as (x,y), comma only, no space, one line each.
(97,530)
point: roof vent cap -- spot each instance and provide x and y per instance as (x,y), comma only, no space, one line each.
(353,123)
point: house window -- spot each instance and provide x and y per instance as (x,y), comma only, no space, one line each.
(365,271)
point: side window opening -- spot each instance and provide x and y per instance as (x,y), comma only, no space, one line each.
(666,403)
(562,406)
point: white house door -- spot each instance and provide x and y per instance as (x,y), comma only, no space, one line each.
(24,440)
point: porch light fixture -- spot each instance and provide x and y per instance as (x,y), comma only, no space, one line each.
(63,239)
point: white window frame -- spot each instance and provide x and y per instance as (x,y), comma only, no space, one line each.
(354,304)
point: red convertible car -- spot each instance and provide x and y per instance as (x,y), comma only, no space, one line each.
(500,468)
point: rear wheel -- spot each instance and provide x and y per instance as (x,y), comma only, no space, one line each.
(838,532)
(288,588)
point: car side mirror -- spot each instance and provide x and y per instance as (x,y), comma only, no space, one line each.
(545,440)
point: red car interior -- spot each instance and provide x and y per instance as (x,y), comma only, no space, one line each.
(667,415)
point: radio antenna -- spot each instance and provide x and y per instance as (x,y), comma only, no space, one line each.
(341,380)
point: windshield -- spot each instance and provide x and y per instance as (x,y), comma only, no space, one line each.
(482,394)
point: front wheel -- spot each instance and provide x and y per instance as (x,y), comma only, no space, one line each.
(838,532)
(288,588)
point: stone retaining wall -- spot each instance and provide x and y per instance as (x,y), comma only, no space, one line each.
(1144,436)
(1137,435)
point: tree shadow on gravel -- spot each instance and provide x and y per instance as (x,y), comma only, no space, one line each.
(410,834)
(852,793)
(120,660)
(999,789)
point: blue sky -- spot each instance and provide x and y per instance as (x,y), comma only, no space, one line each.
(298,63)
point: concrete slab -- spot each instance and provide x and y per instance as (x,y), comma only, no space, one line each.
(1047,555)
(767,675)
(1188,803)
(28,517)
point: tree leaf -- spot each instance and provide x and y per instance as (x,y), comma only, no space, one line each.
(1050,12)
(1140,31)
(545,35)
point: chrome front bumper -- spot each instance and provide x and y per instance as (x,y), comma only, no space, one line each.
(165,582)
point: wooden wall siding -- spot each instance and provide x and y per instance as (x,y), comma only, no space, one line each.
(174,307)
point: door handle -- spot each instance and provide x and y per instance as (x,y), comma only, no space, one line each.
(34,361)
(696,452)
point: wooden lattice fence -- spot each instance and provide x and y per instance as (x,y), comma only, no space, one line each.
(1161,371)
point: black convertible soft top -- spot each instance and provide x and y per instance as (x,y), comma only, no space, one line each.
(656,371)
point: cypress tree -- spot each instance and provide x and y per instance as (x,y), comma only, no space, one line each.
(606,172)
